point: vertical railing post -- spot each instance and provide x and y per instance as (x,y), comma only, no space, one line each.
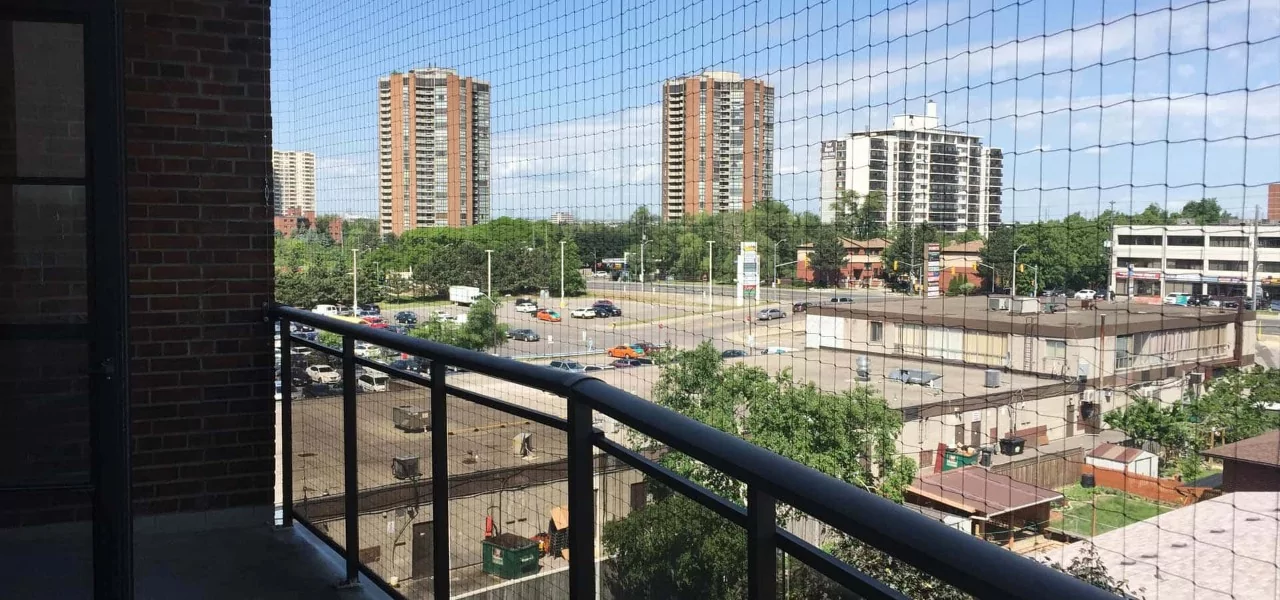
(762,549)
(582,510)
(350,466)
(439,480)
(286,424)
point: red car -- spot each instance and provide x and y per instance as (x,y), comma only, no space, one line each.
(374,320)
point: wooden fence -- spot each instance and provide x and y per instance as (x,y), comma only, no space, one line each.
(1050,470)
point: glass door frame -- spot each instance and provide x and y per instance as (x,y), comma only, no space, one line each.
(107,279)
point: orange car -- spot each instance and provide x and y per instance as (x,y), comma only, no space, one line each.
(623,352)
(549,315)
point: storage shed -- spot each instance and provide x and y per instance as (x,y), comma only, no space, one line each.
(1120,458)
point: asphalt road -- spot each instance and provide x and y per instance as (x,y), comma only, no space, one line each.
(783,294)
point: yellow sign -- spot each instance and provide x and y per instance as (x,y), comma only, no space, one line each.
(748,247)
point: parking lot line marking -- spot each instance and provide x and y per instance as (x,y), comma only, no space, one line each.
(489,427)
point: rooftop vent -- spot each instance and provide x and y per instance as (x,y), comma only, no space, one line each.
(916,376)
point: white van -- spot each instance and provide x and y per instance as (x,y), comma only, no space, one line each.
(327,310)
(372,382)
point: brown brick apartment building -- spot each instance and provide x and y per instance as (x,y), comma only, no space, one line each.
(717,144)
(433,149)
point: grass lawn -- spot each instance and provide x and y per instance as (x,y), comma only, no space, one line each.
(1115,509)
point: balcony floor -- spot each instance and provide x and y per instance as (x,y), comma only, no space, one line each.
(257,562)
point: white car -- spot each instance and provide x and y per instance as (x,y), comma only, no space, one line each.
(1086,295)
(327,310)
(365,350)
(323,374)
(527,307)
(583,313)
(372,382)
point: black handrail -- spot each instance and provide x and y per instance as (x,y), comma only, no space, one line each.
(964,561)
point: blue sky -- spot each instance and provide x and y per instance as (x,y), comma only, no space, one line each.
(1094,102)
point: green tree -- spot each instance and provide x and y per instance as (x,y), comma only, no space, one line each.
(675,548)
(481,331)
(1205,211)
(860,218)
(960,286)
(907,249)
(1234,405)
(827,259)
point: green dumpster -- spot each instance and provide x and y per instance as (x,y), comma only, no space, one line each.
(510,556)
(955,460)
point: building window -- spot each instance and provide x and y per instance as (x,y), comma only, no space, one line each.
(877,331)
(1227,265)
(1228,242)
(1055,349)
(1183,263)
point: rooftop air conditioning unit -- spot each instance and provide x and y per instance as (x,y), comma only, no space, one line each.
(992,378)
(405,467)
(1025,306)
(863,366)
(410,418)
(998,304)
(1195,378)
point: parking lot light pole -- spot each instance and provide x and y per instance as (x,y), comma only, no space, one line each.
(710,264)
(489,281)
(562,273)
(355,286)
(775,275)
(644,239)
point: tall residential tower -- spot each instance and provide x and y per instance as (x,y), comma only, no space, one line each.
(433,149)
(717,144)
(927,174)
(293,174)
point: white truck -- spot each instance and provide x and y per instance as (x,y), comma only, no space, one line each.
(463,294)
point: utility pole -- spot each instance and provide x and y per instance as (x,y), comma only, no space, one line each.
(355,287)
(710,264)
(562,273)
(489,268)
(1013,290)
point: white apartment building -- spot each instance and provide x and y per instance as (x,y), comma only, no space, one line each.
(294,180)
(562,217)
(717,144)
(928,174)
(1219,260)
(433,150)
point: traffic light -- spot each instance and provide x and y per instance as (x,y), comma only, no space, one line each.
(975,266)
(895,265)
(953,270)
(1022,268)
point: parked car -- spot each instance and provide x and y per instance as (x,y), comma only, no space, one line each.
(624,351)
(601,312)
(405,364)
(600,274)
(321,390)
(733,354)
(524,335)
(623,363)
(800,307)
(372,382)
(406,317)
(365,349)
(525,305)
(548,315)
(400,329)
(345,311)
(770,314)
(1274,304)
(1231,304)
(645,347)
(1085,295)
(1058,291)
(328,310)
(1194,300)
(841,300)
(1178,299)
(568,365)
(607,308)
(323,374)
(585,312)
(1249,304)
(590,368)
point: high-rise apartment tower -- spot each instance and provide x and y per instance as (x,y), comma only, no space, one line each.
(927,174)
(294,178)
(717,144)
(433,150)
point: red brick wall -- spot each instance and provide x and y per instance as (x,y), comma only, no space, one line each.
(1249,477)
(200,237)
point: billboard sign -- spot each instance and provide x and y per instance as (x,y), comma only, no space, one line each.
(933,270)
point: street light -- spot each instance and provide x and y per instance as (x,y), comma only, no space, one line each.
(489,266)
(562,273)
(355,287)
(1013,290)
(644,239)
(775,261)
(710,264)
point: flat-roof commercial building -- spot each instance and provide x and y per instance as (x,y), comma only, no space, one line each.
(717,144)
(928,174)
(965,373)
(433,150)
(1151,261)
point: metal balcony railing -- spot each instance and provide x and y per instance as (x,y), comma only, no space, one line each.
(963,561)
